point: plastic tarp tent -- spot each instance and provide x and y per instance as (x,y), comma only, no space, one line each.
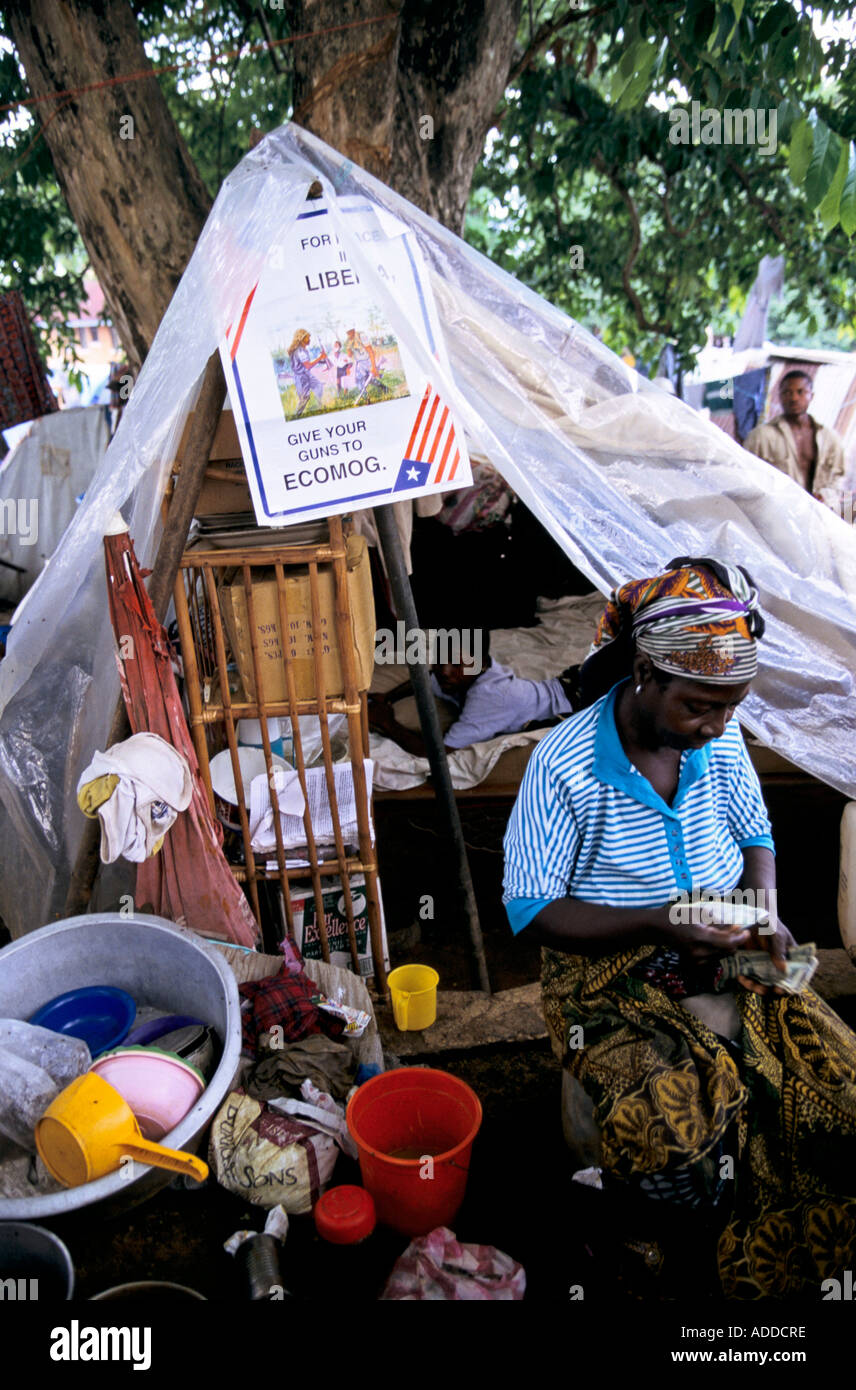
(40,481)
(622,475)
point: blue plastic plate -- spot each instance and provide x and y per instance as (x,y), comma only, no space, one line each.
(99,1014)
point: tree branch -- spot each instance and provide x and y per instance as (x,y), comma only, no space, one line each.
(227,88)
(642,319)
(547,32)
(767,211)
(274,56)
(676,231)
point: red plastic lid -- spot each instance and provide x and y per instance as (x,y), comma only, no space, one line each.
(345,1215)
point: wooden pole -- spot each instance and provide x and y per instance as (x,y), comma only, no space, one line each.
(327,751)
(435,748)
(182,507)
(356,706)
(232,738)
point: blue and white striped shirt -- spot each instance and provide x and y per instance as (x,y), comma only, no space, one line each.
(587,824)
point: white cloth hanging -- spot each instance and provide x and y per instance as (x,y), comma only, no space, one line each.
(154,785)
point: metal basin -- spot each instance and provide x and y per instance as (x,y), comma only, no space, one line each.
(36,1258)
(159,964)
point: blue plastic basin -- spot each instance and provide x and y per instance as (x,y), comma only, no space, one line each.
(100,1015)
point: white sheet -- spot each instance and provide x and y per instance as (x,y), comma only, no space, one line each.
(562,635)
(44,475)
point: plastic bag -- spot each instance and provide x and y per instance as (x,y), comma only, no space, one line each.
(310,737)
(62,1057)
(267,1158)
(356,1021)
(26,1091)
(322,1110)
(437,1269)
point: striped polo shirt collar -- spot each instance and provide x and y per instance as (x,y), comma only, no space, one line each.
(612,765)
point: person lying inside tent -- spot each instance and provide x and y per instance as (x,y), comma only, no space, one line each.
(647,795)
(487,700)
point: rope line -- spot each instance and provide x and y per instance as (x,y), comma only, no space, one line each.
(218,59)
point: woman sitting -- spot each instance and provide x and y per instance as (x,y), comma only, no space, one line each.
(644,796)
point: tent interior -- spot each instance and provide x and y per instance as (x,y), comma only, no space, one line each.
(620,475)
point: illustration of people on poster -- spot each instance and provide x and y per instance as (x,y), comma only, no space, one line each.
(332,409)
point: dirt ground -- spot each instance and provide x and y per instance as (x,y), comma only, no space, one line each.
(519,1198)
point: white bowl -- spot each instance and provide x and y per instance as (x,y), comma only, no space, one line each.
(252,764)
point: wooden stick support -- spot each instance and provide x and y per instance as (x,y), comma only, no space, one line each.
(435,748)
(161,584)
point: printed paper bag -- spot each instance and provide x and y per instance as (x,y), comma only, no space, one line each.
(268,1158)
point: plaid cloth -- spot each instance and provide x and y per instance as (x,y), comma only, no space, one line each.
(283,1001)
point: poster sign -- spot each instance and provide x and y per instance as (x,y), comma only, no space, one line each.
(333,412)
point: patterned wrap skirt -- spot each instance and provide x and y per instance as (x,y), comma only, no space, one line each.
(666,1090)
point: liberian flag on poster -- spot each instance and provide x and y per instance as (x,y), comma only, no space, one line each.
(333,406)
(432,455)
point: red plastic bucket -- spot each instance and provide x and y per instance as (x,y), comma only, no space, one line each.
(431,1114)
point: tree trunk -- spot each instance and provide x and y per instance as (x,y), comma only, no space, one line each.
(409,97)
(130,183)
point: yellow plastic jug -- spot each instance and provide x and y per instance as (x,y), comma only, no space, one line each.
(89,1128)
(413,991)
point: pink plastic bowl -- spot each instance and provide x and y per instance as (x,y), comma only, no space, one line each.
(159,1087)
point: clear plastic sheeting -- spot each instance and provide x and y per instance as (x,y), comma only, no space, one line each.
(622,475)
(40,481)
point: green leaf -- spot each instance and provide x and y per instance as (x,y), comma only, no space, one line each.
(737,8)
(625,70)
(802,144)
(725,26)
(823,164)
(779,20)
(645,57)
(788,112)
(828,210)
(847,206)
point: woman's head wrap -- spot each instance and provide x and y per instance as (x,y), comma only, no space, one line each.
(700,619)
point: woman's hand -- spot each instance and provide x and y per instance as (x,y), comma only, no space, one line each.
(776,943)
(697,937)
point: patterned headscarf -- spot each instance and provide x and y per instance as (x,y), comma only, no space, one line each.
(699,619)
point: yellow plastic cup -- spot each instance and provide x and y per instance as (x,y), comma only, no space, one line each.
(88,1129)
(413,991)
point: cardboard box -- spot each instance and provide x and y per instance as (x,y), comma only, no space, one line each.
(308,937)
(226,445)
(301,638)
(221,495)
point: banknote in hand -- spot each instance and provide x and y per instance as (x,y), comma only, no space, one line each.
(800,965)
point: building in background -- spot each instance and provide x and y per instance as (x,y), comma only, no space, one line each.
(98,349)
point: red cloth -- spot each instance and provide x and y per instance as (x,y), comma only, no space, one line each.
(189,880)
(284,1001)
(24,390)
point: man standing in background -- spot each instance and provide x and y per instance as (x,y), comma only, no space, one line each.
(796,444)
